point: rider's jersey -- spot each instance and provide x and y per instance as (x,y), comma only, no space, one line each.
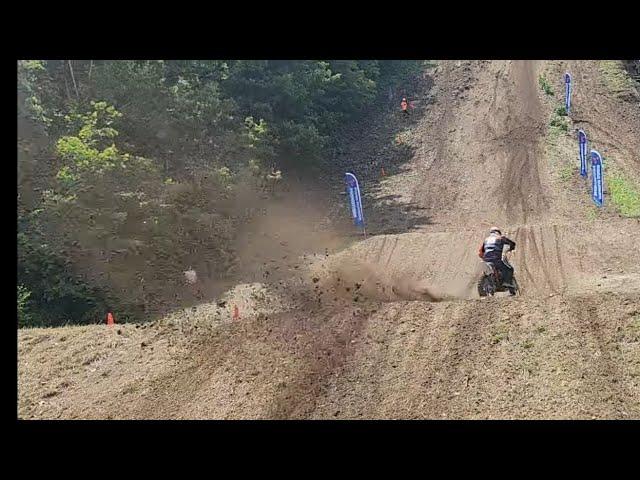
(491,249)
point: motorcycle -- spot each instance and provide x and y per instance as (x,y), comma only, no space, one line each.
(491,282)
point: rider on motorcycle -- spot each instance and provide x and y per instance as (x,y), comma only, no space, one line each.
(491,252)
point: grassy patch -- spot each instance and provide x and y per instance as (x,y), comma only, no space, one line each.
(499,337)
(560,111)
(624,194)
(527,344)
(567,171)
(559,124)
(544,85)
(499,334)
(592,213)
(615,77)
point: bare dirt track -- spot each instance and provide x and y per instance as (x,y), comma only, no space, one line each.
(351,334)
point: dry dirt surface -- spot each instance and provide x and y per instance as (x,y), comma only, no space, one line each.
(391,327)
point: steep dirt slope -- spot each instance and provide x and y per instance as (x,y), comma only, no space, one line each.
(350,345)
(611,117)
(559,357)
(549,258)
(479,152)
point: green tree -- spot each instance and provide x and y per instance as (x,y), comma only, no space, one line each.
(128,170)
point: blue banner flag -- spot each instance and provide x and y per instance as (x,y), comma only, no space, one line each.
(582,144)
(353,190)
(567,91)
(596,178)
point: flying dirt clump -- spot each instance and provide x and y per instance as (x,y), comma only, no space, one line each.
(351,278)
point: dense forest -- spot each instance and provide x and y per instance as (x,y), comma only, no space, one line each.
(128,170)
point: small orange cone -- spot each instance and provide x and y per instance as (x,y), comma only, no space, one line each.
(236,312)
(110,319)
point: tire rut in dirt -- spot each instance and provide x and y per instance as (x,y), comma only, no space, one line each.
(323,352)
(521,187)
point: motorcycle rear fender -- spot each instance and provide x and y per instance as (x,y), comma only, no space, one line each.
(487,268)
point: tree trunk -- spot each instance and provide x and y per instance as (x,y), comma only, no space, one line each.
(66,84)
(73,78)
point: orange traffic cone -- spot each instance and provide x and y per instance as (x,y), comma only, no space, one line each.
(236,312)
(110,319)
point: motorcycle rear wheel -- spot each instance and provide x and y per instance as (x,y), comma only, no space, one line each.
(480,286)
(485,287)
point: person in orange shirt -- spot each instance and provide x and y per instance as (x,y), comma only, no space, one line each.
(404,105)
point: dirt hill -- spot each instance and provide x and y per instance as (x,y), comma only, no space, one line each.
(335,326)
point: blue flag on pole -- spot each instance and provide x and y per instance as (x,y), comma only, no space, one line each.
(582,144)
(353,190)
(596,178)
(567,91)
